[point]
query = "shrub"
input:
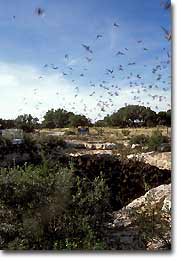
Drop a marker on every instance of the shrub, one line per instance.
(156, 139)
(49, 141)
(126, 132)
(50, 144)
(48, 207)
(126, 179)
(153, 142)
(153, 223)
(51, 209)
(5, 142)
(100, 131)
(139, 139)
(70, 132)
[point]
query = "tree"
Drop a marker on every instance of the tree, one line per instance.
(168, 116)
(61, 118)
(26, 122)
(56, 118)
(132, 116)
(7, 124)
(164, 118)
(79, 120)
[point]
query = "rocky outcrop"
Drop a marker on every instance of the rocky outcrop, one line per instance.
(145, 223)
(155, 198)
(76, 144)
(161, 160)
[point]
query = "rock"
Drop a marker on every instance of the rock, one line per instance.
(17, 141)
(99, 146)
(167, 204)
(155, 198)
(126, 143)
(164, 147)
(90, 153)
(90, 145)
(148, 217)
(131, 156)
(162, 160)
(110, 146)
(75, 145)
(56, 133)
(133, 146)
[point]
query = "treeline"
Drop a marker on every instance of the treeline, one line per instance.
(136, 116)
(129, 116)
(52, 119)
(26, 122)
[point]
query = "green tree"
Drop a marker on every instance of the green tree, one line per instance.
(56, 118)
(79, 120)
(132, 116)
(26, 122)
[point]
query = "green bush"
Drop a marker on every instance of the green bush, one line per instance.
(49, 208)
(139, 139)
(153, 142)
(100, 131)
(70, 132)
(50, 146)
(62, 205)
(156, 139)
(4, 142)
(126, 132)
(49, 142)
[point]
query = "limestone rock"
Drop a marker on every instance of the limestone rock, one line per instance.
(154, 197)
(162, 160)
(148, 217)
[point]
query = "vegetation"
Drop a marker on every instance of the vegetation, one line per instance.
(156, 140)
(49, 208)
(52, 207)
(136, 116)
(139, 139)
(64, 202)
(129, 116)
(153, 142)
(26, 122)
(153, 223)
(125, 132)
(52, 201)
(61, 118)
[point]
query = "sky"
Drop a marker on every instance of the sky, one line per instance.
(44, 65)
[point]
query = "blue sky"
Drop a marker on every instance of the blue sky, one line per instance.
(29, 41)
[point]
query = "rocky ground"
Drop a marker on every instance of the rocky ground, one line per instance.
(144, 223)
(161, 160)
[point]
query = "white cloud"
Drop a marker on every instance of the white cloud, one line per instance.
(22, 91)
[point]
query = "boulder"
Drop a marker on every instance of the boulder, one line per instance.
(154, 197)
(145, 223)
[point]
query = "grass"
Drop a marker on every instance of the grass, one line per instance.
(107, 134)
(122, 137)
